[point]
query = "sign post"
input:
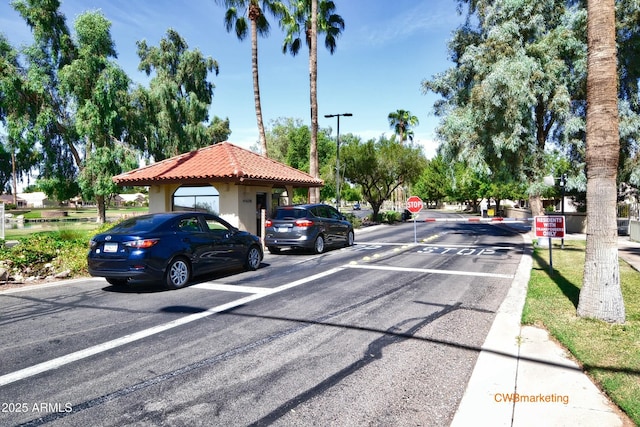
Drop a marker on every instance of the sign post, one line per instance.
(549, 226)
(414, 205)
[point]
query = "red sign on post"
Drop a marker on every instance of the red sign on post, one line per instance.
(549, 226)
(414, 204)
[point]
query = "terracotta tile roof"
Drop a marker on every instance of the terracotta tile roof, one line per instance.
(219, 162)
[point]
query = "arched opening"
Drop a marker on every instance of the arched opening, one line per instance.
(204, 198)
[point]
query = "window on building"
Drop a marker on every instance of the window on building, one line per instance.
(199, 198)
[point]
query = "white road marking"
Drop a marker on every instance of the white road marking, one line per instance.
(257, 293)
(435, 245)
(428, 270)
(109, 345)
(213, 286)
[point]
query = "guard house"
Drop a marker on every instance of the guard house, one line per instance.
(225, 179)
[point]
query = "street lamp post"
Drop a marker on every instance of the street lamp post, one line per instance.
(337, 116)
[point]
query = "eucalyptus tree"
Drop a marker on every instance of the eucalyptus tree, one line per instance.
(175, 107)
(306, 19)
(402, 122)
(514, 87)
(601, 295)
(99, 89)
(236, 16)
(380, 167)
(19, 156)
(628, 41)
(47, 123)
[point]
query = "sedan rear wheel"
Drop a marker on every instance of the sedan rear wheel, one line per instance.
(350, 238)
(254, 257)
(178, 273)
(318, 245)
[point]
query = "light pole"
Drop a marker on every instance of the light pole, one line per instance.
(337, 116)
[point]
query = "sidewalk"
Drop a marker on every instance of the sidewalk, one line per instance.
(523, 378)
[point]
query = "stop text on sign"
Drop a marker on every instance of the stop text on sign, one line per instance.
(414, 204)
(549, 226)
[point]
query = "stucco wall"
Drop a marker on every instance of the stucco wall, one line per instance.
(237, 202)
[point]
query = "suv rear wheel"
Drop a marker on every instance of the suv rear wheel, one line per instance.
(318, 244)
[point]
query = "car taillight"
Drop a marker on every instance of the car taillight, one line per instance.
(303, 223)
(141, 244)
(268, 223)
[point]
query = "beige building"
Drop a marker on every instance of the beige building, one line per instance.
(225, 179)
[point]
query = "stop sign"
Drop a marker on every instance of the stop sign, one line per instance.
(414, 204)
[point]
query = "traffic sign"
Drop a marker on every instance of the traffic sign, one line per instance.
(551, 226)
(414, 204)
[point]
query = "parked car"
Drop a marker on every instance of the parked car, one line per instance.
(356, 206)
(312, 226)
(171, 247)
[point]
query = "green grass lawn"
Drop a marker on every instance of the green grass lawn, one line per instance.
(83, 219)
(610, 354)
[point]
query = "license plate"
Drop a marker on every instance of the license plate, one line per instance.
(111, 247)
(283, 229)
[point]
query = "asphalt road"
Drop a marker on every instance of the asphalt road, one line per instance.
(383, 333)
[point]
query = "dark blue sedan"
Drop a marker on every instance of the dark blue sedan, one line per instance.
(171, 247)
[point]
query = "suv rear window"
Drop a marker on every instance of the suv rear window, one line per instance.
(290, 213)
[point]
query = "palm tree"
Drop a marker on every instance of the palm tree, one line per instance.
(308, 18)
(601, 295)
(401, 121)
(234, 20)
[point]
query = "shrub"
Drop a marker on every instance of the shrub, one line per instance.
(46, 253)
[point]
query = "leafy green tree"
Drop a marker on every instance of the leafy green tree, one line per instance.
(176, 106)
(288, 141)
(99, 90)
(307, 19)
(402, 122)
(18, 155)
(466, 185)
(5, 168)
(628, 46)
(45, 121)
(515, 86)
(379, 167)
(238, 11)
(601, 294)
(434, 183)
(59, 190)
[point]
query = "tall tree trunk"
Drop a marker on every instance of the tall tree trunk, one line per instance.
(535, 204)
(601, 295)
(14, 178)
(314, 193)
(102, 209)
(256, 85)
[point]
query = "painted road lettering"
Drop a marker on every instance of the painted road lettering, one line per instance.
(466, 251)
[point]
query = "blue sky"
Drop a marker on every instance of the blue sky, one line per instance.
(385, 51)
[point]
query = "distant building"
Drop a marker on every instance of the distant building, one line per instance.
(8, 199)
(136, 199)
(36, 199)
